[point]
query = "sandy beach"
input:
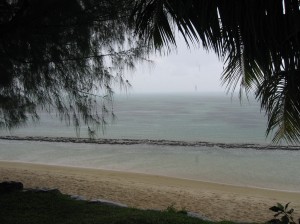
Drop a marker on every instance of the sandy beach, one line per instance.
(215, 201)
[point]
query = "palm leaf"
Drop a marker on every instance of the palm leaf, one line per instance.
(259, 42)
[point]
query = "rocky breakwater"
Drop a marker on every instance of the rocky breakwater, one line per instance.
(151, 142)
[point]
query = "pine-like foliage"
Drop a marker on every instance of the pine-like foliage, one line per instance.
(58, 55)
(258, 40)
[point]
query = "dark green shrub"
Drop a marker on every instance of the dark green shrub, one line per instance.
(283, 215)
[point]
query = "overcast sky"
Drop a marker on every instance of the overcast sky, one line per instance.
(188, 70)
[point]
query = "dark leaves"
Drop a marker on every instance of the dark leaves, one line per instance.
(275, 209)
(283, 215)
(259, 41)
(62, 56)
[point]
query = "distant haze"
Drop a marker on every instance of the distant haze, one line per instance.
(187, 70)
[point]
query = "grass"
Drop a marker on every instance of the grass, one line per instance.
(55, 208)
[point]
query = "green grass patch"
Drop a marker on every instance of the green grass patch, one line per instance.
(55, 208)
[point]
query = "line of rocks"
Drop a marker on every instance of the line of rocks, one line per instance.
(149, 142)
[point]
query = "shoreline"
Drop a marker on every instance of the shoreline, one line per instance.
(150, 174)
(161, 142)
(146, 191)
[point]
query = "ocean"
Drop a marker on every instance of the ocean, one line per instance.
(216, 119)
(186, 117)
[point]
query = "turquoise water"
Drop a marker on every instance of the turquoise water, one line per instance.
(257, 168)
(211, 118)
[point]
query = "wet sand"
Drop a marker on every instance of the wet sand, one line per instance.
(215, 201)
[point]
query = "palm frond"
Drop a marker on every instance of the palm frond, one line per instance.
(279, 95)
(254, 38)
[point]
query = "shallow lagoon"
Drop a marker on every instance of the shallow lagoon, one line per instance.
(210, 118)
(277, 169)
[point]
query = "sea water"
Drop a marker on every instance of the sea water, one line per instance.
(186, 117)
(211, 118)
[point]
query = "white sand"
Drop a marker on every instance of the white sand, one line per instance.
(215, 201)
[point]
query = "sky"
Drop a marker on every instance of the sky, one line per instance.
(184, 71)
